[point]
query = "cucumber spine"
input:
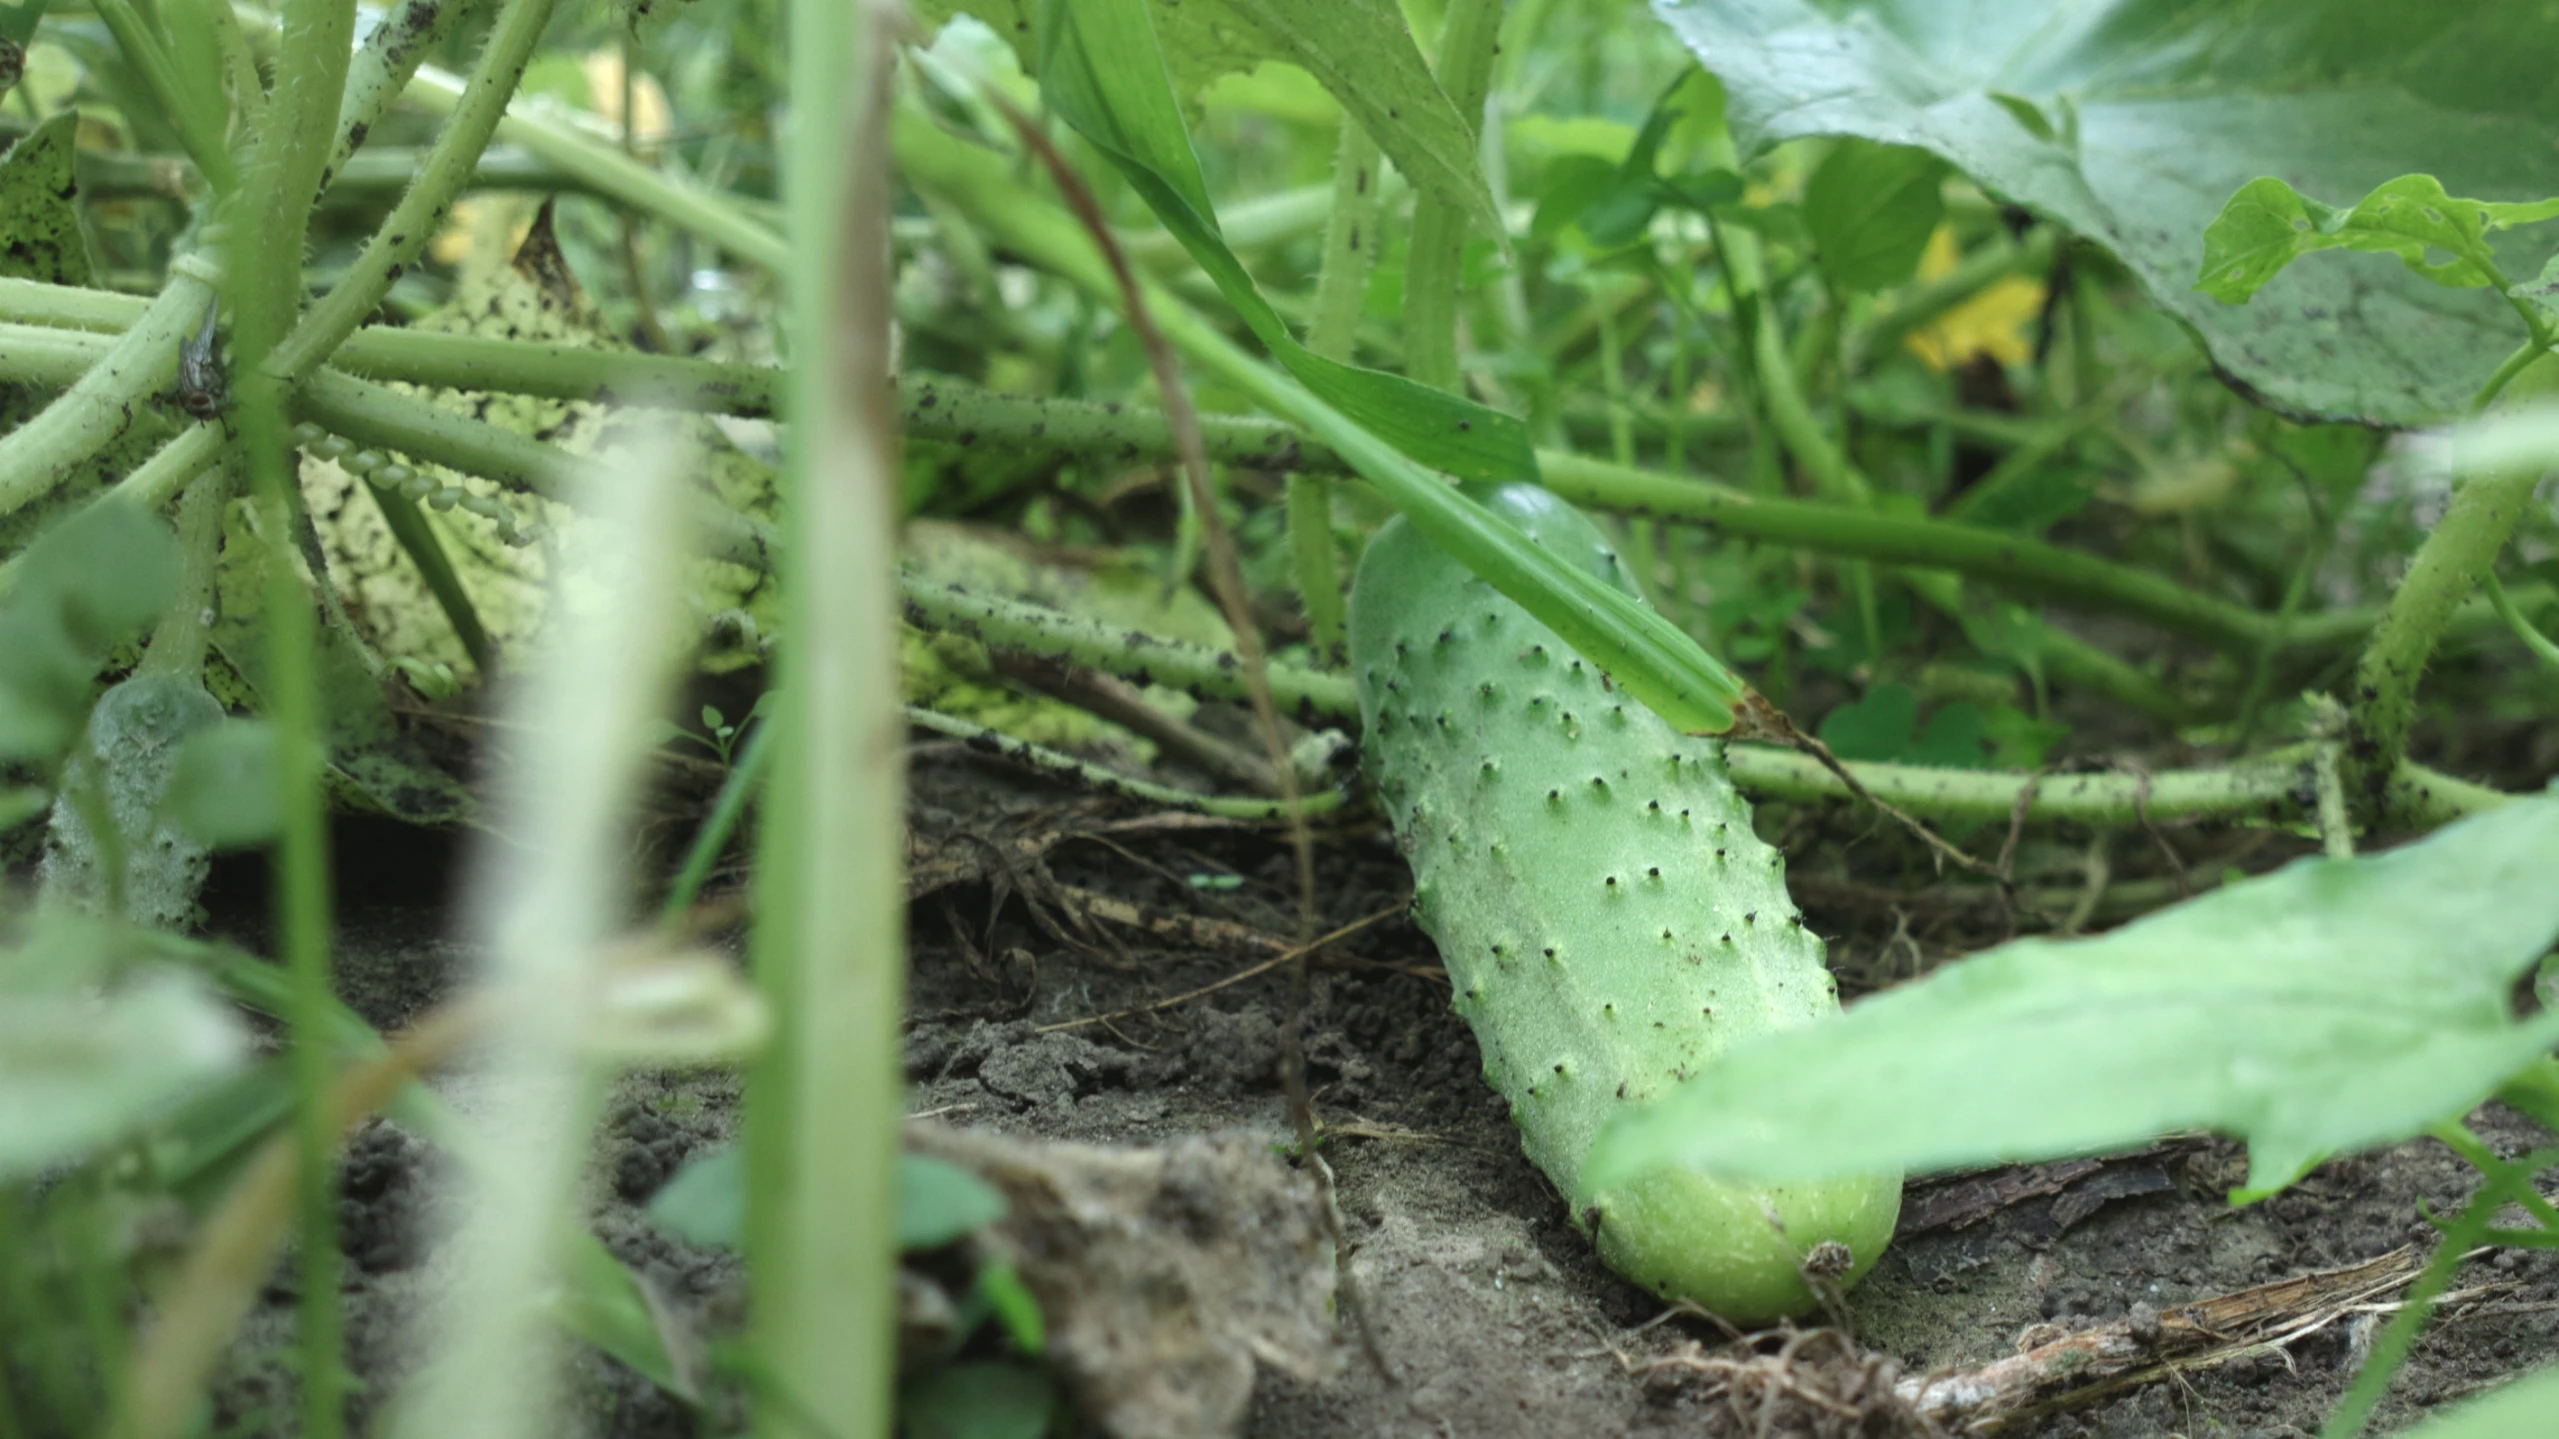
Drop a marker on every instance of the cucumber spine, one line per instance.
(1608, 918)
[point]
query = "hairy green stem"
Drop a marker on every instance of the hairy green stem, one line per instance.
(405, 232)
(201, 133)
(40, 454)
(1109, 781)
(269, 223)
(829, 948)
(2486, 507)
(1352, 235)
(427, 432)
(597, 163)
(177, 644)
(2533, 639)
(2269, 788)
(1026, 628)
(1434, 268)
(392, 51)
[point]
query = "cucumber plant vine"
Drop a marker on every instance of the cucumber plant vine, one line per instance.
(1861, 370)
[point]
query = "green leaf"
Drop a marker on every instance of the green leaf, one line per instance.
(83, 588)
(705, 1201)
(18, 21)
(1359, 50)
(1000, 1293)
(1876, 727)
(938, 1202)
(2542, 290)
(82, 1065)
(2178, 106)
(2329, 1006)
(1870, 209)
(224, 791)
(1102, 72)
(2519, 1410)
(2268, 225)
(977, 1401)
(1362, 51)
(40, 236)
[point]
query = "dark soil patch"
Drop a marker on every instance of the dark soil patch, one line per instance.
(1494, 1315)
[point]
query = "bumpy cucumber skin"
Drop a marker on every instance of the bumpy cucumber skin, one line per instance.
(1607, 917)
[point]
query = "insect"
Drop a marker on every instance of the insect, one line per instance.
(202, 384)
(1608, 919)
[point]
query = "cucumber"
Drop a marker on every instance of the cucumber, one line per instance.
(1607, 916)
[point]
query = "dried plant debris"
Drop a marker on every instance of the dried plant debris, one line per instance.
(1788, 1383)
(1166, 1276)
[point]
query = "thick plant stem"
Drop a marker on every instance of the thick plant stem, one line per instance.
(178, 643)
(823, 1100)
(1108, 781)
(39, 455)
(2269, 788)
(269, 226)
(1350, 248)
(2485, 509)
(398, 42)
(1026, 628)
(1434, 271)
(404, 234)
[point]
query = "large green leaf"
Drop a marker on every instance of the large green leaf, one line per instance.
(2331, 1005)
(2132, 121)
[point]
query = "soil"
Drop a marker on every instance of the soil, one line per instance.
(1492, 1313)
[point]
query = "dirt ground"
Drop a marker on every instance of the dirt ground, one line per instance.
(1035, 1013)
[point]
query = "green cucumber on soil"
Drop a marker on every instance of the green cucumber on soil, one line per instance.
(1608, 918)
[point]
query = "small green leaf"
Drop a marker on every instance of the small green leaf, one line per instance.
(2018, 740)
(2267, 225)
(938, 1202)
(705, 1202)
(1870, 209)
(1001, 1293)
(86, 1055)
(2521, 1409)
(83, 587)
(224, 791)
(1953, 739)
(1877, 727)
(977, 1401)
(2332, 1005)
(2026, 113)
(2542, 290)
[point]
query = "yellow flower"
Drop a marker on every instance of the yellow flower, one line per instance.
(1991, 323)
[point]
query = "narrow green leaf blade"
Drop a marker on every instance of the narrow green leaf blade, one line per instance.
(2331, 1005)
(1126, 109)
